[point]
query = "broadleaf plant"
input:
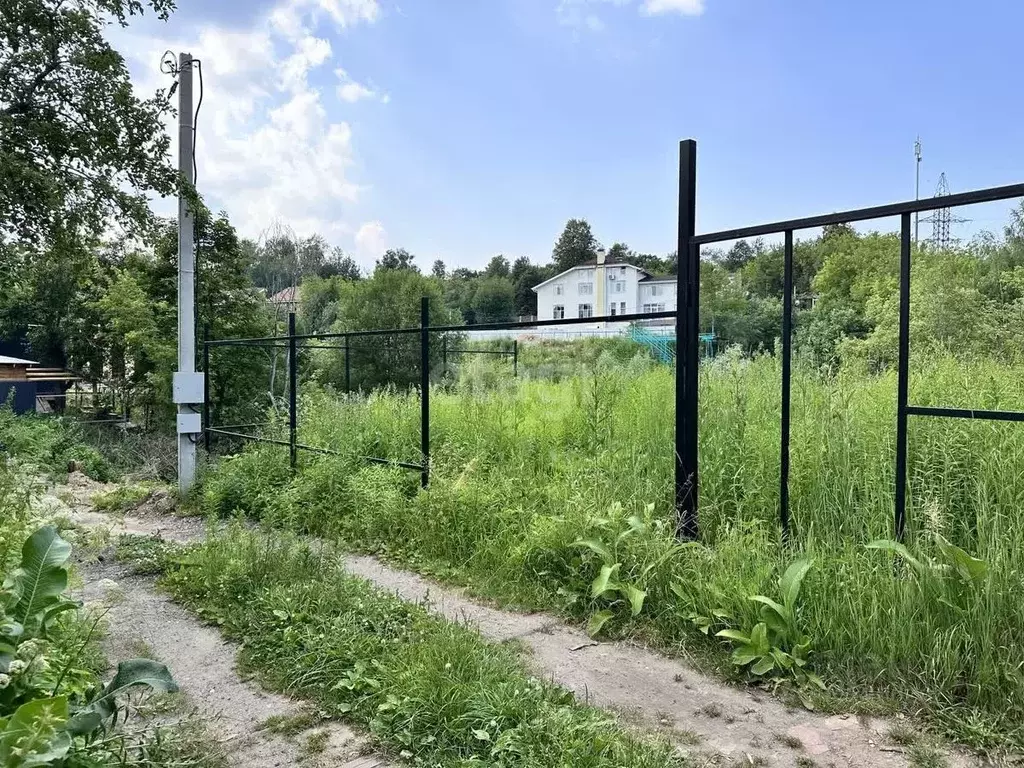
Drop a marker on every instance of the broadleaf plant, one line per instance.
(776, 649)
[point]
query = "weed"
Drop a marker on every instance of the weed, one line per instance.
(923, 755)
(520, 476)
(803, 761)
(902, 734)
(421, 685)
(791, 741)
(776, 648)
(315, 744)
(291, 725)
(121, 498)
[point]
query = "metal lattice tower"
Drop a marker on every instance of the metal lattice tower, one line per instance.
(942, 219)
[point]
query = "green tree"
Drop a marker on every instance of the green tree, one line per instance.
(340, 265)
(575, 245)
(388, 299)
(77, 146)
(498, 266)
(524, 277)
(397, 259)
(438, 270)
(494, 300)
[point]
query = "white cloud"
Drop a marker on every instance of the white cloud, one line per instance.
(352, 91)
(268, 148)
(371, 241)
(582, 14)
(685, 7)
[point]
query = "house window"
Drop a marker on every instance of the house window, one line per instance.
(620, 286)
(559, 313)
(586, 289)
(586, 310)
(622, 307)
(649, 308)
(559, 289)
(613, 309)
(654, 290)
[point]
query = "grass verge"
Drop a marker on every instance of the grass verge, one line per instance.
(433, 692)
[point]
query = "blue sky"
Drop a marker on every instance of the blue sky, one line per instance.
(473, 128)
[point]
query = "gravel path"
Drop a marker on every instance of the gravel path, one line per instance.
(718, 723)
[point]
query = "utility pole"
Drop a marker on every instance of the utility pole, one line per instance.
(917, 185)
(188, 385)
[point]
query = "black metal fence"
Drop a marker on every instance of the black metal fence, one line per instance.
(687, 360)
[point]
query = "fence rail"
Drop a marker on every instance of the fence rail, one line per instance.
(687, 358)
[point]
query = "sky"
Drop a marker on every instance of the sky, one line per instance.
(460, 129)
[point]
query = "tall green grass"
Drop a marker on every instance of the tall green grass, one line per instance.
(521, 470)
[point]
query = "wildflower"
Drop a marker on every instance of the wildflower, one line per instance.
(16, 667)
(5, 680)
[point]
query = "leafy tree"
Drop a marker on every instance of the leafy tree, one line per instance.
(459, 289)
(77, 146)
(226, 304)
(652, 264)
(340, 265)
(498, 266)
(396, 259)
(388, 299)
(620, 252)
(438, 270)
(741, 253)
(575, 245)
(524, 277)
(494, 300)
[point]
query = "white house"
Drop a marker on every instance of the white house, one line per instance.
(600, 287)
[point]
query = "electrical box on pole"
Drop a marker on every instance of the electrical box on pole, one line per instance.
(188, 388)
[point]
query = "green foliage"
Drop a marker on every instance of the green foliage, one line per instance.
(49, 444)
(59, 74)
(52, 709)
(494, 300)
(525, 469)
(612, 590)
(122, 497)
(575, 245)
(776, 648)
(430, 690)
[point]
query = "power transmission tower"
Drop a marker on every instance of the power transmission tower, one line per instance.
(942, 219)
(917, 186)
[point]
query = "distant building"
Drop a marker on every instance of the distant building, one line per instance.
(600, 287)
(287, 299)
(30, 388)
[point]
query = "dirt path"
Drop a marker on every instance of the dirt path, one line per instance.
(142, 621)
(718, 723)
(734, 724)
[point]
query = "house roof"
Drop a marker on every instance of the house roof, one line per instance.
(289, 295)
(589, 265)
(658, 279)
(5, 360)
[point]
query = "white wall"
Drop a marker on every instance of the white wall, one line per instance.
(632, 292)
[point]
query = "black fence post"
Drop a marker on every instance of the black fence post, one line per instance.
(425, 390)
(515, 358)
(902, 385)
(787, 359)
(206, 388)
(687, 351)
(293, 415)
(444, 353)
(348, 367)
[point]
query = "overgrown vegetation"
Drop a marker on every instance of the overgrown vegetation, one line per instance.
(54, 711)
(560, 496)
(430, 691)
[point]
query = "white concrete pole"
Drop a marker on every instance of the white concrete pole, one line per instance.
(186, 281)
